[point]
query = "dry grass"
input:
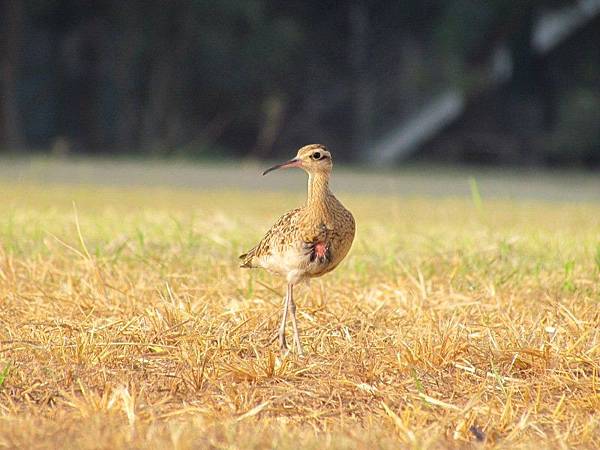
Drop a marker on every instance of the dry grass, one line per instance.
(449, 324)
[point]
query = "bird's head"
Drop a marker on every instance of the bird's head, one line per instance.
(313, 158)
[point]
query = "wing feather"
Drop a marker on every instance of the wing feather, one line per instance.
(283, 232)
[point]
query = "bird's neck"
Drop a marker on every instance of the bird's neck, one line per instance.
(318, 188)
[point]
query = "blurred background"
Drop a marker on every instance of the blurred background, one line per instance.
(498, 82)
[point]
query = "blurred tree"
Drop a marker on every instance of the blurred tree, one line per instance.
(10, 65)
(196, 76)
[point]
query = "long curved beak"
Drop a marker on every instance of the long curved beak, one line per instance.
(286, 165)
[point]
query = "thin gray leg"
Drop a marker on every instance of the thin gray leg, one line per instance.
(282, 345)
(290, 295)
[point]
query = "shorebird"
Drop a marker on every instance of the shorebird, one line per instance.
(306, 242)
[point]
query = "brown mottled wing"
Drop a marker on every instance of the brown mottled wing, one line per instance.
(341, 237)
(316, 233)
(338, 240)
(283, 230)
(333, 230)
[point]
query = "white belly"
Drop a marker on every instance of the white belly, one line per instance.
(291, 263)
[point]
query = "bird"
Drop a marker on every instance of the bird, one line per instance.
(308, 241)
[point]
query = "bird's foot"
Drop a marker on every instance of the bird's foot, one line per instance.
(285, 351)
(298, 345)
(283, 346)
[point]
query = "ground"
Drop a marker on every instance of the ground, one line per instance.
(465, 320)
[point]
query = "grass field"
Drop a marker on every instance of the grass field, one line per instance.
(125, 322)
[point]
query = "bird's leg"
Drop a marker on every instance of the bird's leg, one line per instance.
(294, 324)
(282, 345)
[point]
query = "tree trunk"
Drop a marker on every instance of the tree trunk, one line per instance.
(362, 89)
(126, 65)
(526, 107)
(11, 124)
(273, 115)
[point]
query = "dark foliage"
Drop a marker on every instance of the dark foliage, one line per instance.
(259, 77)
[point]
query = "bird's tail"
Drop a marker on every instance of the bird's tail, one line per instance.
(246, 260)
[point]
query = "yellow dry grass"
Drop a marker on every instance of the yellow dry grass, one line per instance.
(125, 322)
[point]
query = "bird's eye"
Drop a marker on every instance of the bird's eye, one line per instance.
(316, 155)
